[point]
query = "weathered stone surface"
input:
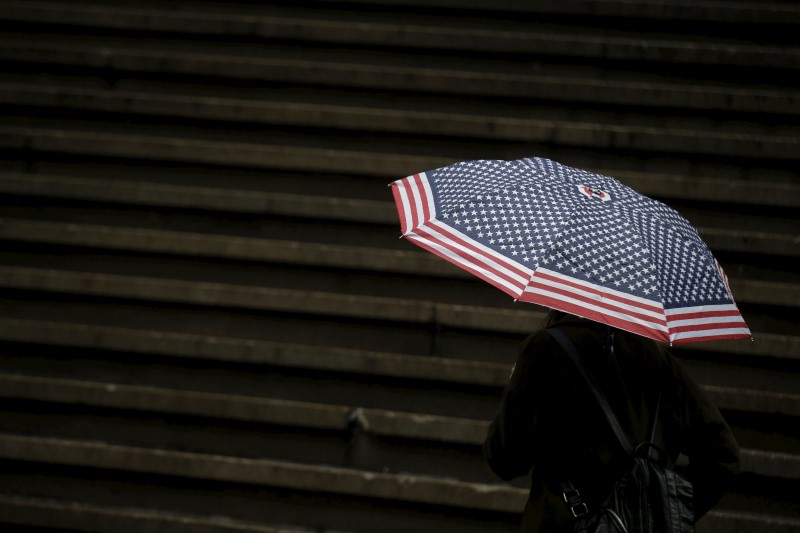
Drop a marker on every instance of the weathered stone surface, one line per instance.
(87, 517)
(409, 488)
(551, 83)
(106, 101)
(544, 125)
(342, 27)
(314, 302)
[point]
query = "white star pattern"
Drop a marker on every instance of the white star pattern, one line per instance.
(460, 183)
(532, 212)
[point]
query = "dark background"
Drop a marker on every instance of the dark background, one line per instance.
(207, 320)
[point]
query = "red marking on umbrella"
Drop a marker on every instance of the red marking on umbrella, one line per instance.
(474, 269)
(616, 322)
(398, 200)
(592, 193)
(423, 197)
(603, 294)
(470, 257)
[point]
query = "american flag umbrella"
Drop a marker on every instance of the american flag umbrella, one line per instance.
(575, 241)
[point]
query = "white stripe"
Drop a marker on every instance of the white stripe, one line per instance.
(612, 292)
(599, 309)
(463, 262)
(710, 320)
(437, 228)
(700, 309)
(723, 332)
(401, 187)
(429, 194)
(417, 199)
(599, 298)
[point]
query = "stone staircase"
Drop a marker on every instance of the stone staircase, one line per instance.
(207, 321)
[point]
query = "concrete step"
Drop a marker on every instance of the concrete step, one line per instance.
(312, 329)
(79, 516)
(394, 71)
(743, 521)
(415, 489)
(727, 12)
(472, 500)
(324, 256)
(362, 28)
(246, 193)
(203, 151)
(292, 153)
(265, 298)
(715, 365)
(349, 306)
(201, 383)
(265, 410)
(531, 124)
(246, 258)
(764, 234)
(261, 410)
(150, 361)
(247, 239)
(40, 512)
(243, 504)
(262, 352)
(442, 370)
(268, 501)
(384, 154)
(287, 383)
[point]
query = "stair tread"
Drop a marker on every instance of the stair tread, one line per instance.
(351, 27)
(775, 389)
(205, 305)
(536, 124)
(325, 416)
(396, 72)
(69, 512)
(178, 245)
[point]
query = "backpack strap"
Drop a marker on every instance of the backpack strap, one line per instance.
(569, 348)
(569, 493)
(651, 443)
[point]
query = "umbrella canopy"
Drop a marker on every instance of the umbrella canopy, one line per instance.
(575, 241)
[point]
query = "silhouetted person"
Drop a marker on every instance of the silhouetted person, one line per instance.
(549, 421)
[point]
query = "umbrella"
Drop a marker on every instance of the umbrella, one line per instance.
(575, 241)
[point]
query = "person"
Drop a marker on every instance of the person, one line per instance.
(549, 422)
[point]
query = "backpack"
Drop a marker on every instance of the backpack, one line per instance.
(648, 497)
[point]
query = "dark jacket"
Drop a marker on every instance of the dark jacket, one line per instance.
(549, 421)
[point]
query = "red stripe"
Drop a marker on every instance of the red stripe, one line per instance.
(424, 246)
(704, 314)
(426, 210)
(588, 300)
(713, 338)
(469, 258)
(596, 316)
(398, 202)
(466, 242)
(415, 216)
(593, 290)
